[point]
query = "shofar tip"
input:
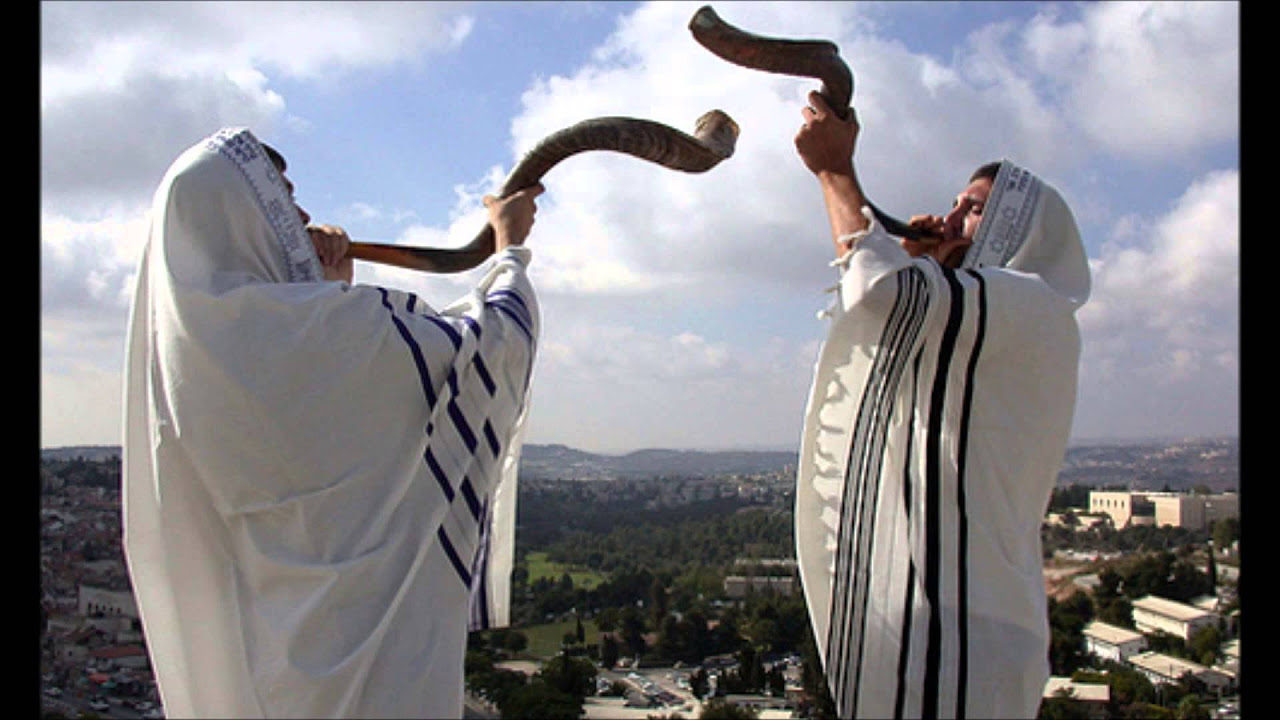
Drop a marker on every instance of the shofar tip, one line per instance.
(718, 132)
(704, 17)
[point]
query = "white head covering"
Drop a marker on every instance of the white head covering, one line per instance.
(936, 425)
(319, 479)
(1028, 227)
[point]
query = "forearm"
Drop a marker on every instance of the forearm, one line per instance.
(844, 200)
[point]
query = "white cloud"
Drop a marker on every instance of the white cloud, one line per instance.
(612, 386)
(125, 87)
(1161, 331)
(1151, 80)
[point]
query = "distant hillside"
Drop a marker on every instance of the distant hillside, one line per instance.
(1146, 465)
(92, 453)
(561, 462)
(1155, 464)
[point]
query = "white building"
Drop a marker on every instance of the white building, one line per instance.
(1196, 512)
(1156, 614)
(1094, 696)
(1111, 642)
(107, 602)
(1166, 669)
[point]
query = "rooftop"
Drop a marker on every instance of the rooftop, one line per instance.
(1090, 692)
(1166, 665)
(1112, 634)
(1170, 608)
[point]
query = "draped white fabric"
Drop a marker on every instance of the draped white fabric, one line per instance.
(319, 478)
(936, 425)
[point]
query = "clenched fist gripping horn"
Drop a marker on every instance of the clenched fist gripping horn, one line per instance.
(818, 59)
(712, 141)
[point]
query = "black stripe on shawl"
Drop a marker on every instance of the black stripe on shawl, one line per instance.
(866, 443)
(838, 627)
(908, 603)
(962, 545)
(933, 499)
(874, 449)
(933, 507)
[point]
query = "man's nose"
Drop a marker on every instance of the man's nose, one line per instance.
(953, 222)
(306, 217)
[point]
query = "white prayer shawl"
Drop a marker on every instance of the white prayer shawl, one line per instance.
(936, 425)
(319, 479)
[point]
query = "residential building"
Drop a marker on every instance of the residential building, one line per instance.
(1093, 696)
(1167, 670)
(1157, 614)
(1111, 642)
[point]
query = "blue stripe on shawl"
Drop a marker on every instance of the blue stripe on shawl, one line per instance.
(423, 374)
(463, 573)
(485, 377)
(469, 495)
(462, 426)
(492, 438)
(430, 457)
(448, 330)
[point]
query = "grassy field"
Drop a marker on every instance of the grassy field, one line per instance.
(545, 640)
(540, 566)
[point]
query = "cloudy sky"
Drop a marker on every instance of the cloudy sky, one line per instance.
(679, 310)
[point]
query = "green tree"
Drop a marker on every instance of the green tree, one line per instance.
(1066, 626)
(631, 624)
(540, 701)
(607, 619)
(699, 683)
(1203, 646)
(570, 675)
(1129, 687)
(1225, 532)
(1191, 708)
(608, 651)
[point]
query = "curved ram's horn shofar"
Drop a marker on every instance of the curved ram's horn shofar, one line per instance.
(712, 141)
(806, 58)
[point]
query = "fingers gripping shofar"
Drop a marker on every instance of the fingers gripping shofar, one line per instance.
(712, 141)
(818, 59)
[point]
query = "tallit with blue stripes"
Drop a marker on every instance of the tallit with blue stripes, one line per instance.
(936, 425)
(319, 478)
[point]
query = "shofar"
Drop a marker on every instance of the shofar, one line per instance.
(818, 59)
(712, 141)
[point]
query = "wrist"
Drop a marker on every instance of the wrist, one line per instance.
(837, 175)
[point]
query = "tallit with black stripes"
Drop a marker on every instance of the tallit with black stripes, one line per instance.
(936, 425)
(319, 478)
